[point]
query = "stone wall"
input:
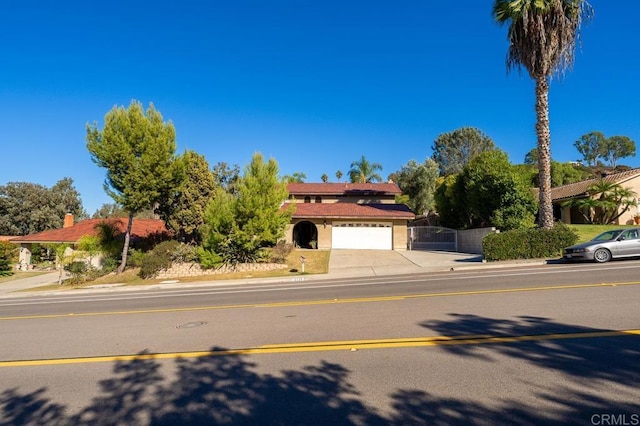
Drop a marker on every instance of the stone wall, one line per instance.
(179, 270)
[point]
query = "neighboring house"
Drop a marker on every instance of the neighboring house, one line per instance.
(71, 233)
(629, 179)
(347, 216)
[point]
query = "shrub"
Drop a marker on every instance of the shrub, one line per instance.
(157, 259)
(532, 243)
(280, 251)
(185, 253)
(8, 256)
(135, 258)
(208, 259)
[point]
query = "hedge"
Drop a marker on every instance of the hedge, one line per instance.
(531, 243)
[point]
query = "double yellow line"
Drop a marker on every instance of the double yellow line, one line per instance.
(346, 345)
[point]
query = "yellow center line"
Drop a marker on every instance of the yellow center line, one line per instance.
(323, 301)
(346, 345)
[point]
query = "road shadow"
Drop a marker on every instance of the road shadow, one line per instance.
(228, 389)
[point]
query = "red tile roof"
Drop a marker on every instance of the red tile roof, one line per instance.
(343, 189)
(580, 188)
(141, 228)
(352, 211)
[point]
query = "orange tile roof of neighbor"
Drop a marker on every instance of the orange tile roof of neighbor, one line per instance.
(352, 211)
(345, 188)
(141, 228)
(580, 188)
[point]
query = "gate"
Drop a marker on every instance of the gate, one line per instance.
(432, 238)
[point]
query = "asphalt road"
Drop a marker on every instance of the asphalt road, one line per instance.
(530, 345)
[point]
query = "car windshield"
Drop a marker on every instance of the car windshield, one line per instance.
(607, 236)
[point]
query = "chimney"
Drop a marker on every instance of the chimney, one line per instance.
(68, 220)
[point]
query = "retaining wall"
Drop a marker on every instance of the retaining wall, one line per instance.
(178, 270)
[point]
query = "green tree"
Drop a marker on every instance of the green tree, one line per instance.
(453, 150)
(226, 177)
(296, 177)
(183, 210)
(137, 149)
(28, 208)
(488, 192)
(363, 171)
(531, 158)
(109, 210)
(8, 255)
(237, 226)
(566, 173)
(617, 147)
(324, 178)
(590, 146)
(418, 182)
(542, 37)
(338, 175)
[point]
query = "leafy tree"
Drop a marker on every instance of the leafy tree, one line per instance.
(418, 182)
(604, 203)
(542, 38)
(488, 192)
(137, 149)
(324, 178)
(183, 210)
(297, 177)
(617, 147)
(453, 150)
(531, 158)
(566, 173)
(363, 171)
(226, 177)
(8, 255)
(338, 175)
(109, 210)
(237, 226)
(27, 208)
(590, 146)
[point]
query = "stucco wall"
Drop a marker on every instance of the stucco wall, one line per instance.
(400, 235)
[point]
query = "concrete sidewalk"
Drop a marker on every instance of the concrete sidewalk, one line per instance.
(342, 264)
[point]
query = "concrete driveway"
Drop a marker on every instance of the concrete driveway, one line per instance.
(383, 262)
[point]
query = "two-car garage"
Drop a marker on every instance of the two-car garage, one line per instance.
(362, 235)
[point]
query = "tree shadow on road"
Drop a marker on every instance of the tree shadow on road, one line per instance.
(614, 358)
(229, 389)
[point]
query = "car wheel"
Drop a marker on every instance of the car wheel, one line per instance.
(602, 255)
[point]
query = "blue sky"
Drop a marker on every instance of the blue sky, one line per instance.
(315, 85)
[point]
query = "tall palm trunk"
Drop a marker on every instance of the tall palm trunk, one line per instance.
(125, 249)
(545, 213)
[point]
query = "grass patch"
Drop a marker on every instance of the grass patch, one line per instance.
(22, 274)
(588, 232)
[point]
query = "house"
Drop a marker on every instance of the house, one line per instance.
(347, 216)
(629, 179)
(71, 233)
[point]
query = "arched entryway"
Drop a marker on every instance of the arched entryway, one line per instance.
(305, 235)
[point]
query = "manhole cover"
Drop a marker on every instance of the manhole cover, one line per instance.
(192, 324)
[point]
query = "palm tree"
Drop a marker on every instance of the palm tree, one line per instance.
(605, 202)
(542, 39)
(324, 178)
(363, 171)
(339, 175)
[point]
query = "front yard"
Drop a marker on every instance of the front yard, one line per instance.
(316, 262)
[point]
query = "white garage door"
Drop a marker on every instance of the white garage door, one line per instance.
(353, 235)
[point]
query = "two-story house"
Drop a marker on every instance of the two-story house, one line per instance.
(347, 216)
